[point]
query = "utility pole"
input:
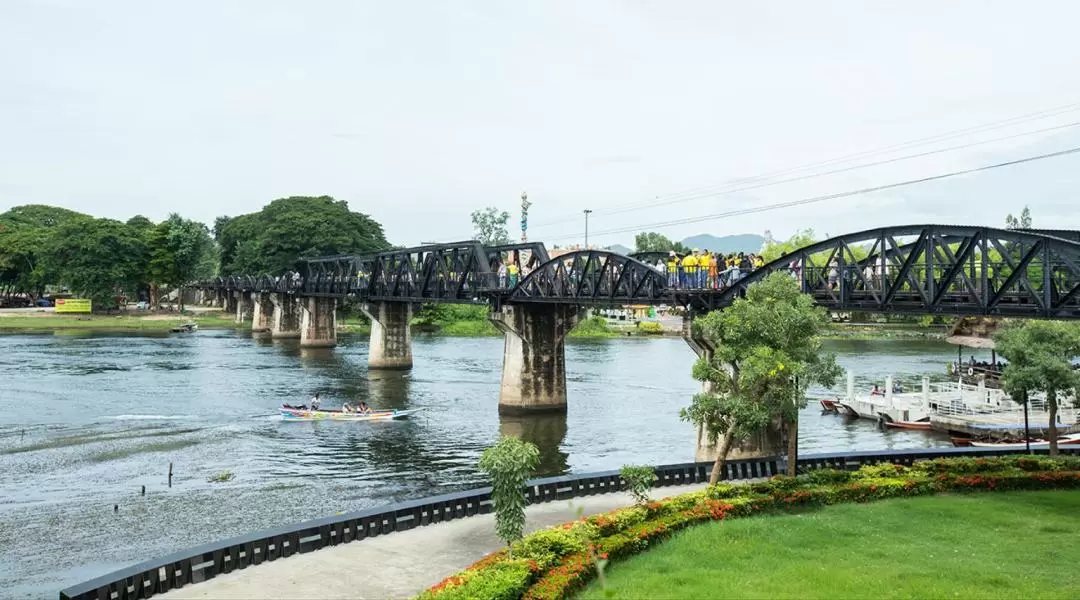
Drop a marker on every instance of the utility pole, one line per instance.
(587, 211)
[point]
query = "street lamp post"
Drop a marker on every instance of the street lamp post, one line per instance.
(587, 211)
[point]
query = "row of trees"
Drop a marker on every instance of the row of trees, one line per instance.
(43, 247)
(99, 259)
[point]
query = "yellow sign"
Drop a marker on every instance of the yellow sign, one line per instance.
(72, 305)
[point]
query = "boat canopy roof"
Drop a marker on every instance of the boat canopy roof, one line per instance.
(971, 341)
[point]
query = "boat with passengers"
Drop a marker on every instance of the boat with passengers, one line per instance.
(304, 413)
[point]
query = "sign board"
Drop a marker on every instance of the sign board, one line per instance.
(73, 305)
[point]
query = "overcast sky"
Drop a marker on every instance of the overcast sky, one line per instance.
(418, 113)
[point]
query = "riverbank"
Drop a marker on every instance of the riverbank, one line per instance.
(37, 322)
(595, 327)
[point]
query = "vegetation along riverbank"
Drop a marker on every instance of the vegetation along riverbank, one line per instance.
(442, 320)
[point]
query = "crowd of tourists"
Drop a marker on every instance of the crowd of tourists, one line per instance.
(701, 269)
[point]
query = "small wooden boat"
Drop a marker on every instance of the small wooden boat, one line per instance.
(829, 404)
(185, 328)
(922, 425)
(961, 442)
(1065, 440)
(293, 413)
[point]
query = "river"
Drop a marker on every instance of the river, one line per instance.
(88, 419)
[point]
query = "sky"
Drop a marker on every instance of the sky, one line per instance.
(418, 113)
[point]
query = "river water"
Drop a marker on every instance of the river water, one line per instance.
(90, 418)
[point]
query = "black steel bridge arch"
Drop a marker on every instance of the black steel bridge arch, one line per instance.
(919, 269)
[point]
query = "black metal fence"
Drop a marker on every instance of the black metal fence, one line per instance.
(198, 564)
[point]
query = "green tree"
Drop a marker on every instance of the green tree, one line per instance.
(650, 241)
(768, 351)
(1024, 222)
(26, 233)
(97, 259)
(509, 463)
(273, 240)
(1039, 355)
(489, 226)
(180, 251)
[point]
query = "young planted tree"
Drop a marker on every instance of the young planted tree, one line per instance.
(509, 463)
(768, 351)
(1039, 355)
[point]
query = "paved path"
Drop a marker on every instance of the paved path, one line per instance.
(397, 565)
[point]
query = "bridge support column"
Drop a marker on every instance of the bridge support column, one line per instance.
(262, 315)
(534, 356)
(229, 302)
(391, 337)
(244, 306)
(285, 322)
(318, 323)
(767, 442)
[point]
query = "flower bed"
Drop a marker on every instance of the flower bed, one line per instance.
(552, 563)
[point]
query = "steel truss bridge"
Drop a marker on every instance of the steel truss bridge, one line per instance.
(921, 269)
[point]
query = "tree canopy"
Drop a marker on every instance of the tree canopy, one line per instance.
(1039, 355)
(489, 226)
(96, 258)
(1023, 222)
(181, 251)
(650, 241)
(767, 351)
(273, 240)
(25, 235)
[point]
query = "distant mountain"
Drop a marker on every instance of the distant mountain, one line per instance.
(619, 249)
(746, 242)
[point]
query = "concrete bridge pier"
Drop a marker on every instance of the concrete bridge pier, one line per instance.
(285, 321)
(767, 442)
(318, 323)
(534, 356)
(391, 336)
(262, 316)
(244, 306)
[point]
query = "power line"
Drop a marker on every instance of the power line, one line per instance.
(816, 199)
(852, 167)
(1042, 114)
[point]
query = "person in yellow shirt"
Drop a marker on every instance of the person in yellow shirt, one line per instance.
(672, 269)
(689, 269)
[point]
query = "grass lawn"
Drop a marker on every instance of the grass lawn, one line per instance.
(989, 545)
(110, 322)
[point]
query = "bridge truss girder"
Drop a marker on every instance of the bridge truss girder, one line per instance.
(945, 270)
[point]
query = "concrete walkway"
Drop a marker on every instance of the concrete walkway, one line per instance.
(397, 565)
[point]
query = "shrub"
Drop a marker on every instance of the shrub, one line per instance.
(639, 480)
(650, 327)
(829, 476)
(879, 471)
(509, 463)
(549, 545)
(722, 490)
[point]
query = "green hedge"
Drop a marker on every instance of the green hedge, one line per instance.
(553, 563)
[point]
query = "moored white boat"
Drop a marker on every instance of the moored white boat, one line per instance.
(303, 414)
(1065, 440)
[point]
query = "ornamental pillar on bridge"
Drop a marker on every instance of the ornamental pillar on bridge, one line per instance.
(767, 442)
(285, 321)
(244, 306)
(318, 322)
(391, 336)
(262, 316)
(534, 356)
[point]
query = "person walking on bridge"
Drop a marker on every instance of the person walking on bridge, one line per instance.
(672, 269)
(689, 269)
